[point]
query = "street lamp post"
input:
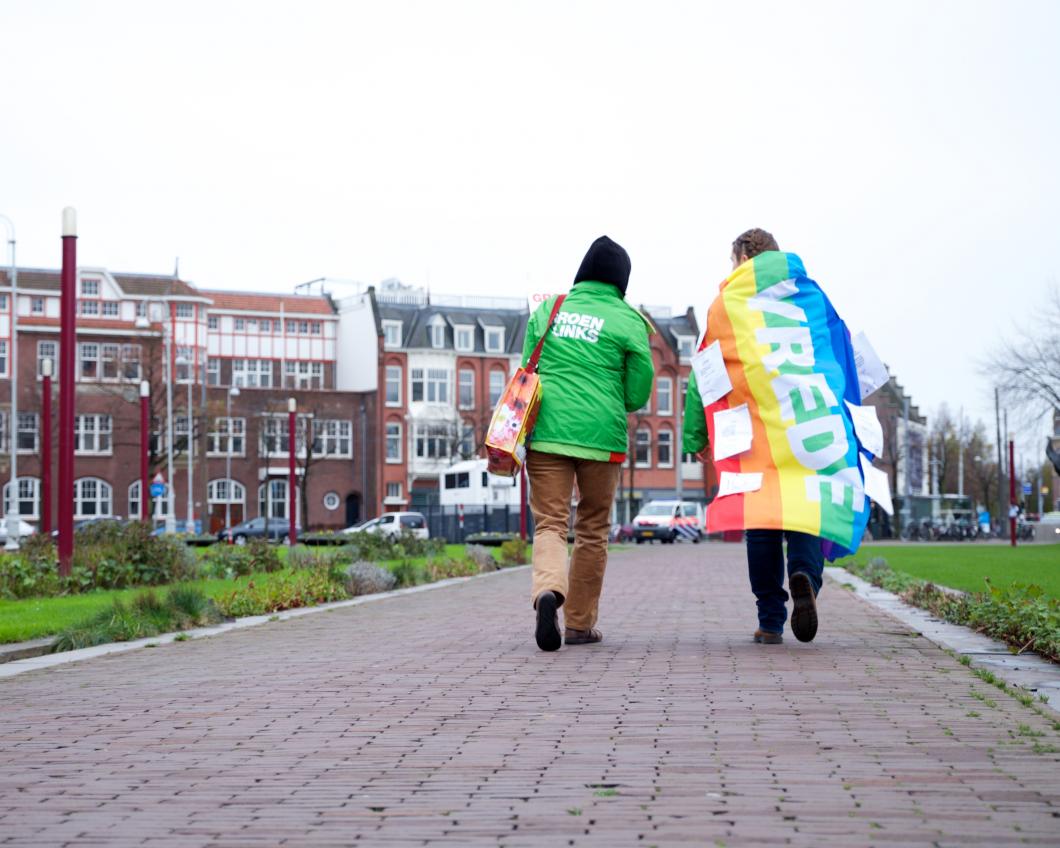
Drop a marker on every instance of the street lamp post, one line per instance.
(145, 441)
(46, 447)
(11, 507)
(143, 323)
(67, 370)
(189, 516)
(292, 532)
(232, 392)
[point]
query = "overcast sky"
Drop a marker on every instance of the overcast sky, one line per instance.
(906, 150)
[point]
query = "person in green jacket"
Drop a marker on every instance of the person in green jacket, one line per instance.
(595, 367)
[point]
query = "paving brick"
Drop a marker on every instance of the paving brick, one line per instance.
(431, 719)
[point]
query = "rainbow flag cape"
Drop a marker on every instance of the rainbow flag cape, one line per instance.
(776, 373)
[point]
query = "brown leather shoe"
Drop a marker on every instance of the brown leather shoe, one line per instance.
(581, 637)
(765, 637)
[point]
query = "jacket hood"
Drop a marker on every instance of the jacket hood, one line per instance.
(605, 262)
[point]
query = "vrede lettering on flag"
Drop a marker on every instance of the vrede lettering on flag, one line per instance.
(790, 359)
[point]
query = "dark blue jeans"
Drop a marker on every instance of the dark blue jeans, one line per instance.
(765, 565)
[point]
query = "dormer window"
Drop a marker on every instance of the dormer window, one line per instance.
(464, 336)
(392, 334)
(685, 345)
(494, 339)
(89, 288)
(436, 331)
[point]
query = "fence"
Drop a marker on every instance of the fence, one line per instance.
(444, 522)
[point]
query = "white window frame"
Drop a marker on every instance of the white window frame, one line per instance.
(99, 435)
(436, 332)
(28, 493)
(53, 356)
(224, 433)
(89, 287)
(494, 339)
(225, 490)
(498, 380)
(393, 436)
(3, 358)
(462, 402)
(638, 444)
(104, 496)
(394, 379)
(686, 346)
(36, 306)
(664, 438)
(28, 423)
(184, 311)
(109, 359)
(87, 352)
(464, 337)
(394, 491)
(252, 373)
(428, 434)
(392, 332)
(273, 496)
(333, 438)
(668, 409)
(213, 371)
(131, 368)
(110, 308)
(212, 322)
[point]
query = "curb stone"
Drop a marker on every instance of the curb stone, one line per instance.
(46, 660)
(1028, 670)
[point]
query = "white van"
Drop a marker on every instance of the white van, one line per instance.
(669, 521)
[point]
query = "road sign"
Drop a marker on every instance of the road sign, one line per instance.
(158, 489)
(1026, 488)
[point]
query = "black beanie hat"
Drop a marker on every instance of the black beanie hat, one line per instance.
(605, 262)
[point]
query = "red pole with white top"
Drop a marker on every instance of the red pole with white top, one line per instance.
(1012, 491)
(292, 533)
(145, 437)
(67, 372)
(46, 448)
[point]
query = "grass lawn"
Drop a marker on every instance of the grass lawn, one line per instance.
(32, 618)
(964, 566)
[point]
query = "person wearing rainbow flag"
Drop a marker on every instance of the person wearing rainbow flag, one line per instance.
(775, 392)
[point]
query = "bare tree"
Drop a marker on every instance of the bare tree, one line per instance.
(1026, 364)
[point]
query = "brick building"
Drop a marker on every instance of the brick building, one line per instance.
(236, 358)
(394, 387)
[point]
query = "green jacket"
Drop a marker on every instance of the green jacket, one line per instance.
(694, 428)
(595, 367)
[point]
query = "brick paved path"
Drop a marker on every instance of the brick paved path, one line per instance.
(432, 718)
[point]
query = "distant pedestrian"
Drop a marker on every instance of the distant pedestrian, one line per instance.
(595, 367)
(780, 403)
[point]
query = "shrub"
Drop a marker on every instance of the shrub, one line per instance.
(146, 615)
(264, 558)
(286, 590)
(514, 552)
(365, 578)
(407, 574)
(314, 558)
(443, 569)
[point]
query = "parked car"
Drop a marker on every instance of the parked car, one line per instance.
(24, 529)
(100, 520)
(254, 528)
(393, 524)
(669, 521)
(1048, 529)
